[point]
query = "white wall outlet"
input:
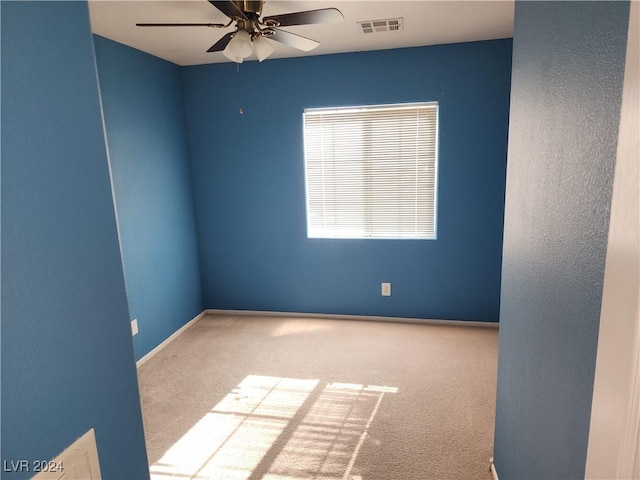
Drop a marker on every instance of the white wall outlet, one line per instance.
(134, 327)
(385, 290)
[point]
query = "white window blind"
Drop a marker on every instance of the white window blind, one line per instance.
(371, 171)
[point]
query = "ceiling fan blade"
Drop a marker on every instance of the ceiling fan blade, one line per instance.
(228, 8)
(324, 15)
(214, 25)
(222, 43)
(293, 40)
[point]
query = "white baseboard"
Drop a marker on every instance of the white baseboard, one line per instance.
(494, 472)
(172, 337)
(331, 316)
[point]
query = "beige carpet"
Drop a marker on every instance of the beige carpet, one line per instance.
(295, 398)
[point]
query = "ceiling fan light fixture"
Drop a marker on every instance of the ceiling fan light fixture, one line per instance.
(262, 47)
(239, 47)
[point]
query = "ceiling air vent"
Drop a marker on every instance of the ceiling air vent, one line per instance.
(383, 25)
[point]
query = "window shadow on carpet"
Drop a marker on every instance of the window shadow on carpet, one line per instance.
(275, 428)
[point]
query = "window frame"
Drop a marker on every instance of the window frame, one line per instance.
(436, 158)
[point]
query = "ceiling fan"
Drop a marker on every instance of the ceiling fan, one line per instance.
(252, 30)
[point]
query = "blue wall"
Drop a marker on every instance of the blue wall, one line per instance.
(249, 184)
(146, 135)
(67, 356)
(568, 63)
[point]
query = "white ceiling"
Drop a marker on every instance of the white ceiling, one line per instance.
(425, 23)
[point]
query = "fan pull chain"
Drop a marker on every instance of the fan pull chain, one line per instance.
(240, 109)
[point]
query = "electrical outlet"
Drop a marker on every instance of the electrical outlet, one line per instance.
(385, 289)
(134, 327)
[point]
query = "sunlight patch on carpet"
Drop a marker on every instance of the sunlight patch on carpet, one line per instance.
(276, 429)
(298, 326)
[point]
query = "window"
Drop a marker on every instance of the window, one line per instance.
(371, 171)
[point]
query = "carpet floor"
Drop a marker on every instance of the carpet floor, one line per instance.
(276, 398)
